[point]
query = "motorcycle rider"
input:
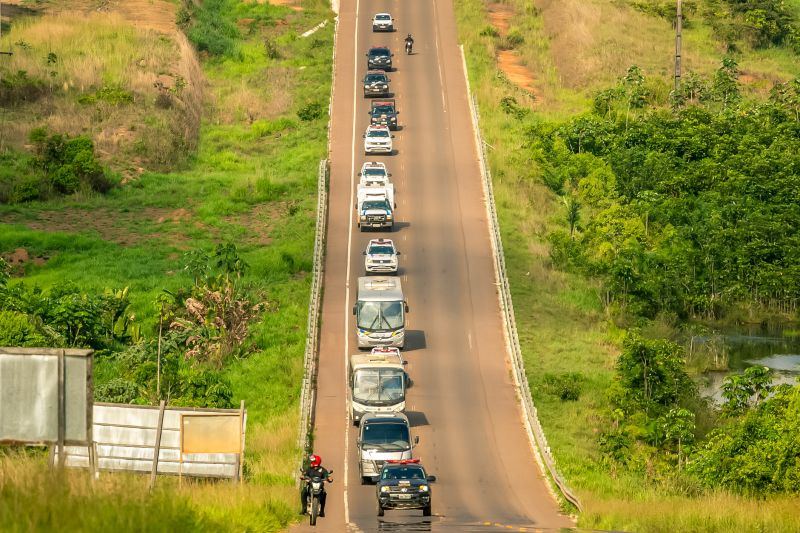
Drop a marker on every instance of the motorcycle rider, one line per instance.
(315, 469)
(409, 42)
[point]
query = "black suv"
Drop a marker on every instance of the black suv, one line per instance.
(376, 83)
(379, 58)
(384, 113)
(404, 485)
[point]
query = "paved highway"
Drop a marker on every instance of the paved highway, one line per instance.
(462, 404)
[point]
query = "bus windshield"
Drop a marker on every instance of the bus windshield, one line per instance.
(380, 316)
(378, 386)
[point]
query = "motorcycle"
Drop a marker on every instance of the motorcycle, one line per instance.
(315, 486)
(409, 44)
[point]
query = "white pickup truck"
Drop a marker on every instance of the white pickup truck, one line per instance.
(375, 206)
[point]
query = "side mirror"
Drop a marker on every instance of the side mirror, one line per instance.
(364, 136)
(359, 173)
(354, 309)
(364, 253)
(375, 479)
(389, 175)
(431, 479)
(398, 253)
(416, 439)
(405, 308)
(392, 136)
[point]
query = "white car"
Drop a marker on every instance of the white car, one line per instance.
(381, 256)
(378, 140)
(382, 22)
(374, 171)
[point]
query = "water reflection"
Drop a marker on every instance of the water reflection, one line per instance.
(755, 345)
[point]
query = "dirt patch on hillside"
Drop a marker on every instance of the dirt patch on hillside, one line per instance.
(156, 15)
(19, 258)
(515, 71)
(500, 16)
(508, 61)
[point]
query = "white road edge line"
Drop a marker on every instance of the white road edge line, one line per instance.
(347, 279)
(438, 55)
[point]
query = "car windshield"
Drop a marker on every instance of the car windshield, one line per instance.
(380, 316)
(374, 172)
(379, 52)
(383, 109)
(403, 472)
(383, 16)
(380, 249)
(372, 78)
(382, 134)
(376, 204)
(375, 386)
(386, 437)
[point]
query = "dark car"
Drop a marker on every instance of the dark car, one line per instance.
(376, 83)
(384, 113)
(379, 58)
(404, 485)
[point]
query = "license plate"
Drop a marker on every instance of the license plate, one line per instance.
(404, 496)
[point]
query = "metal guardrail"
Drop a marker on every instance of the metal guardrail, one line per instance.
(308, 392)
(533, 425)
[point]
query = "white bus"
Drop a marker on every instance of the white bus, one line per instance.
(380, 312)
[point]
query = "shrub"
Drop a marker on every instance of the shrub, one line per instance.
(69, 163)
(118, 390)
(514, 38)
(16, 329)
(566, 386)
(310, 112)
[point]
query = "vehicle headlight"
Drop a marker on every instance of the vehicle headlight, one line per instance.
(423, 488)
(384, 489)
(389, 216)
(363, 217)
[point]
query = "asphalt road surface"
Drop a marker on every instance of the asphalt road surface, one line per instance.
(462, 403)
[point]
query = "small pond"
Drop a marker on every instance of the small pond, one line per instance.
(772, 347)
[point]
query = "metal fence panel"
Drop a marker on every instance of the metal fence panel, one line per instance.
(125, 436)
(29, 393)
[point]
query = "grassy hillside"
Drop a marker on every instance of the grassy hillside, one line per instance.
(561, 54)
(232, 159)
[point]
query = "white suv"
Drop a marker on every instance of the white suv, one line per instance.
(382, 22)
(374, 171)
(378, 140)
(381, 256)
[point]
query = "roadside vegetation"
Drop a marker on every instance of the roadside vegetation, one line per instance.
(207, 122)
(633, 218)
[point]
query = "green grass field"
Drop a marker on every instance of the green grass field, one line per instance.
(571, 50)
(251, 181)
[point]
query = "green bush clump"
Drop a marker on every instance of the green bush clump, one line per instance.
(566, 386)
(111, 94)
(310, 112)
(16, 329)
(209, 27)
(69, 164)
(18, 87)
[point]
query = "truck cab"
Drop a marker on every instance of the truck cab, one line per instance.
(382, 437)
(378, 382)
(375, 206)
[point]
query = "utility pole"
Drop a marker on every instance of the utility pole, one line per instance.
(678, 30)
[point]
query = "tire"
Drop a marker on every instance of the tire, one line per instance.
(380, 509)
(426, 511)
(314, 511)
